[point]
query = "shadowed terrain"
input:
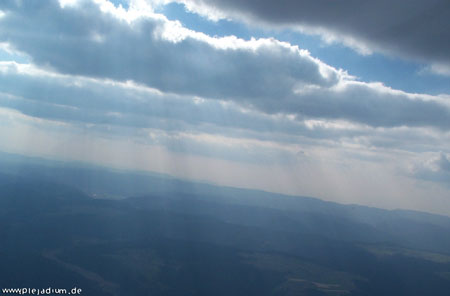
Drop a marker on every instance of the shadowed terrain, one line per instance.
(172, 237)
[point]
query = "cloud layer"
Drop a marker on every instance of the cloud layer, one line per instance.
(273, 77)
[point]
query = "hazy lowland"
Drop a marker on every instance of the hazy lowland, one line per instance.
(114, 232)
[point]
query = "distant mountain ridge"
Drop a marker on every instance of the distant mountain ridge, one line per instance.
(421, 230)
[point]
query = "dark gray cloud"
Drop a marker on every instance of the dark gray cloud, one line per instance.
(407, 28)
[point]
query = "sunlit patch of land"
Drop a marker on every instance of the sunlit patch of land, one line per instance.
(381, 250)
(301, 276)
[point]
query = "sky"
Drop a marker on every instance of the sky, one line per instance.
(300, 97)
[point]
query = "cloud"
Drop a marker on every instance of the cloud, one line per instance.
(440, 69)
(104, 42)
(104, 104)
(413, 29)
(436, 168)
(84, 40)
(444, 163)
(181, 124)
(83, 100)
